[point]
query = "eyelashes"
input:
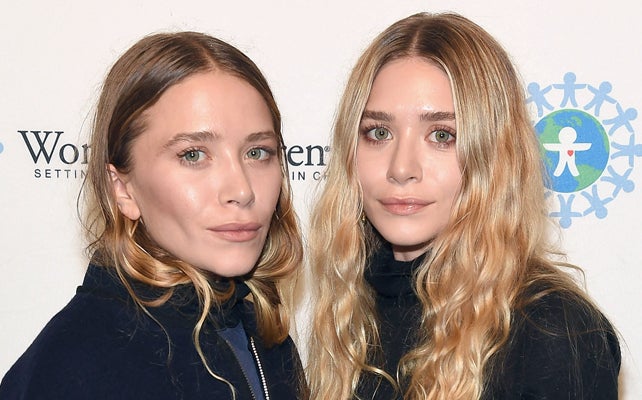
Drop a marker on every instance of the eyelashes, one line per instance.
(192, 156)
(261, 153)
(442, 137)
(375, 133)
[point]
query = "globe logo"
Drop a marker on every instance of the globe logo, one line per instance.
(575, 147)
(588, 146)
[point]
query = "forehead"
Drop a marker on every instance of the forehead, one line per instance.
(214, 101)
(411, 81)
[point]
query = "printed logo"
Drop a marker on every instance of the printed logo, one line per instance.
(306, 162)
(1, 147)
(53, 157)
(588, 145)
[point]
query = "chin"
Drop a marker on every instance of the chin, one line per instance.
(226, 266)
(230, 271)
(407, 237)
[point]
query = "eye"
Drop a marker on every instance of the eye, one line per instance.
(378, 133)
(259, 153)
(192, 156)
(441, 136)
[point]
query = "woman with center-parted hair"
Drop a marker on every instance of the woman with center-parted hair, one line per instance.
(193, 235)
(429, 244)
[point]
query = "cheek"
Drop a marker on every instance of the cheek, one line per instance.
(368, 174)
(267, 189)
(160, 199)
(451, 195)
(448, 177)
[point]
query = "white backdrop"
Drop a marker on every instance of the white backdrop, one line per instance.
(54, 55)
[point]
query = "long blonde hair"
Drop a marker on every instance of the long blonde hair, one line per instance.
(134, 83)
(479, 267)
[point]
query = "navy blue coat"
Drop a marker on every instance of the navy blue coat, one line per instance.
(101, 346)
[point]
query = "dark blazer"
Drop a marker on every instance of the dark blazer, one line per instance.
(102, 346)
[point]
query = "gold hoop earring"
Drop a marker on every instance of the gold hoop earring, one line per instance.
(132, 228)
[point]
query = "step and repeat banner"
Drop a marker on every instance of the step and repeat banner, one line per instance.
(580, 61)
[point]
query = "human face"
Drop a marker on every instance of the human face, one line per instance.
(206, 175)
(406, 159)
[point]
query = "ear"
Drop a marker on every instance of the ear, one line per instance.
(124, 198)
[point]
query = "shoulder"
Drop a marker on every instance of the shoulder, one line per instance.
(71, 351)
(561, 345)
(565, 318)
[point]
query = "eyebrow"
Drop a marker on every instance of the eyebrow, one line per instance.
(430, 116)
(263, 135)
(200, 136)
(207, 136)
(378, 115)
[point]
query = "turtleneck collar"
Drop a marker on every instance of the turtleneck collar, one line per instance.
(390, 277)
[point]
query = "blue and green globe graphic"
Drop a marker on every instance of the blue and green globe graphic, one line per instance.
(583, 159)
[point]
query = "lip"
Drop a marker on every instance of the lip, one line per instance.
(403, 206)
(237, 231)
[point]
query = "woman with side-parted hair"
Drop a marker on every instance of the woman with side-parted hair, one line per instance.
(434, 275)
(193, 234)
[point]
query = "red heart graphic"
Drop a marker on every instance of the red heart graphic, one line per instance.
(570, 152)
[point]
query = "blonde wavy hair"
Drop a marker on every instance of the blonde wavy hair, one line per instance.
(479, 268)
(135, 82)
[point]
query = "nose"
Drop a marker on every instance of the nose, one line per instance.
(236, 187)
(405, 161)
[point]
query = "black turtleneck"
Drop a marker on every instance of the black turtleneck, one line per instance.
(559, 346)
(398, 312)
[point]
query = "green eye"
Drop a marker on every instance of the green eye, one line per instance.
(442, 136)
(257, 154)
(192, 156)
(379, 134)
